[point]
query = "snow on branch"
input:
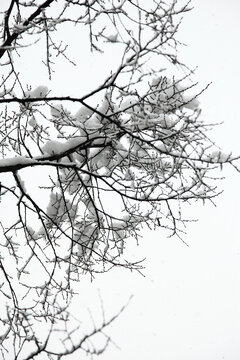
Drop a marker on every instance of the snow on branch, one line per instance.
(92, 153)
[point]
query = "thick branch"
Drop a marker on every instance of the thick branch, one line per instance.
(11, 38)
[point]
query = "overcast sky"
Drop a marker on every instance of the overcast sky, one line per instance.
(187, 305)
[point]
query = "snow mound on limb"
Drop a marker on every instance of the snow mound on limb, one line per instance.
(40, 91)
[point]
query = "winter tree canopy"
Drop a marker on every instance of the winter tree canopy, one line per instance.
(83, 170)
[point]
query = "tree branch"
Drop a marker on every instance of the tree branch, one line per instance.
(12, 37)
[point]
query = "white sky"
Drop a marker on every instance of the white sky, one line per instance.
(187, 307)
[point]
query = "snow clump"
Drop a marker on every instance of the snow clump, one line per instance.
(219, 156)
(40, 91)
